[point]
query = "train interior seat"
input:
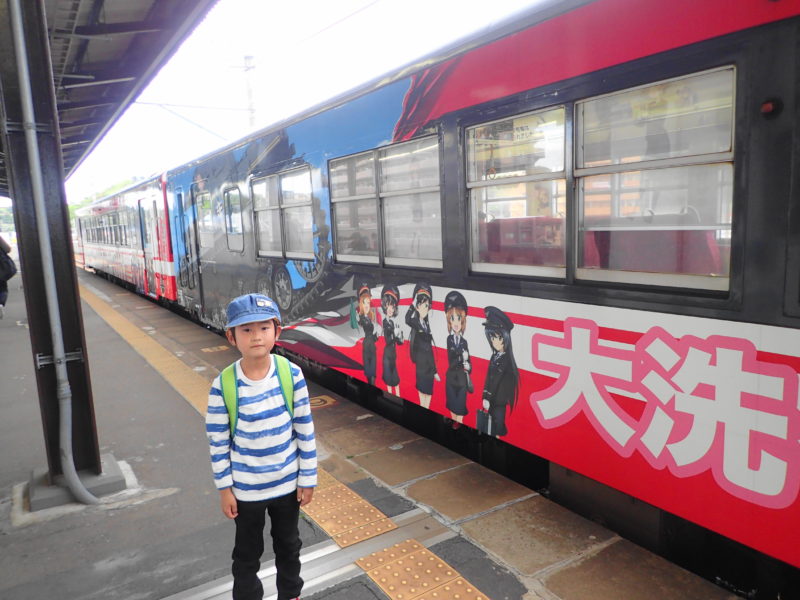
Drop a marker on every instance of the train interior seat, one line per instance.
(645, 244)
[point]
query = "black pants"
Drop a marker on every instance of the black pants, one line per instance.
(284, 513)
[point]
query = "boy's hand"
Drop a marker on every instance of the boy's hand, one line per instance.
(228, 502)
(304, 495)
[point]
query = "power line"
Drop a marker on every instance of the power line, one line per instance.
(165, 104)
(206, 129)
(342, 20)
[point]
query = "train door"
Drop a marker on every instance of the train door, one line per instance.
(147, 221)
(190, 266)
(187, 251)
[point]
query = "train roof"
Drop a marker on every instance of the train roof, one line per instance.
(540, 12)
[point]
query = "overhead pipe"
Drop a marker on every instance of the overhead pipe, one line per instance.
(64, 392)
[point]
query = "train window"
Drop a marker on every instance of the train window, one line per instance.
(233, 219)
(355, 208)
(205, 220)
(397, 186)
(411, 203)
(517, 189)
(295, 188)
(132, 237)
(282, 205)
(654, 173)
(266, 205)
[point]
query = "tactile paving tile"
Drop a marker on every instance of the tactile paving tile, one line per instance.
(458, 589)
(324, 480)
(387, 555)
(329, 498)
(347, 517)
(364, 532)
(413, 575)
(343, 514)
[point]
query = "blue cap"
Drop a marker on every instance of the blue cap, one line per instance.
(251, 308)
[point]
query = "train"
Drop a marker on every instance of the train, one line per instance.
(576, 233)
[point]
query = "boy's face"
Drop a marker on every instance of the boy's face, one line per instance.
(254, 340)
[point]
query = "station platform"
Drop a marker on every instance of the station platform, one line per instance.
(164, 536)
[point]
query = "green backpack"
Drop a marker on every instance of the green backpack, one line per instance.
(230, 391)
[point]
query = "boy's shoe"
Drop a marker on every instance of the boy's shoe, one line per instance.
(2, 311)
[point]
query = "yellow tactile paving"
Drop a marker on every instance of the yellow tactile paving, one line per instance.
(324, 480)
(390, 554)
(347, 517)
(331, 497)
(343, 514)
(413, 575)
(364, 532)
(409, 571)
(458, 589)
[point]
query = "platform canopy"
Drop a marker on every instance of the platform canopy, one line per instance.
(103, 54)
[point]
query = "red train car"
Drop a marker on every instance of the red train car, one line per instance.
(576, 234)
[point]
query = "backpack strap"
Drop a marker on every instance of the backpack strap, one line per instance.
(230, 389)
(230, 393)
(286, 380)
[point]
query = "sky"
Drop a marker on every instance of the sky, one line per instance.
(302, 54)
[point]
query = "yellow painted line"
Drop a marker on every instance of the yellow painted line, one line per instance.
(193, 387)
(214, 349)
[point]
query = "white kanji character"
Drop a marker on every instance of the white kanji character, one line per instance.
(586, 370)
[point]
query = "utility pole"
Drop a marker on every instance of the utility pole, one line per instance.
(251, 107)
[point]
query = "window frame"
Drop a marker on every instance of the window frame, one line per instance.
(280, 208)
(551, 272)
(233, 236)
(713, 283)
(573, 176)
(367, 259)
(380, 196)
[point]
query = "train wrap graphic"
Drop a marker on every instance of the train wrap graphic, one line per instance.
(540, 236)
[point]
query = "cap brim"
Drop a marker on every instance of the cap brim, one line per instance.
(245, 319)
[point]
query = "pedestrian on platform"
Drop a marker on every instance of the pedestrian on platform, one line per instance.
(268, 463)
(7, 270)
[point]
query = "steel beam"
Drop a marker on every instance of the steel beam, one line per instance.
(84, 433)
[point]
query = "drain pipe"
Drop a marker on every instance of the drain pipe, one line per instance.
(64, 393)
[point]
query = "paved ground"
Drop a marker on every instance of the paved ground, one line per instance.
(165, 535)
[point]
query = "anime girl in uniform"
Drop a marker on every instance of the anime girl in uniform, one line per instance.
(421, 342)
(366, 319)
(502, 376)
(390, 300)
(457, 380)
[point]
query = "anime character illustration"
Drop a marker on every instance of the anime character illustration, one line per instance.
(457, 379)
(421, 342)
(366, 316)
(502, 376)
(390, 300)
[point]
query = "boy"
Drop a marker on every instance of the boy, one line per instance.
(270, 462)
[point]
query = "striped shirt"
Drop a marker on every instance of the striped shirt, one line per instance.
(272, 454)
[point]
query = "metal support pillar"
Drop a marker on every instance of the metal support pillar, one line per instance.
(85, 446)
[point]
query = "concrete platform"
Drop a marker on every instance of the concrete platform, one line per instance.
(167, 536)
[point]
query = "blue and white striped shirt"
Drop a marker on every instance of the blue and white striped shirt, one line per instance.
(272, 454)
